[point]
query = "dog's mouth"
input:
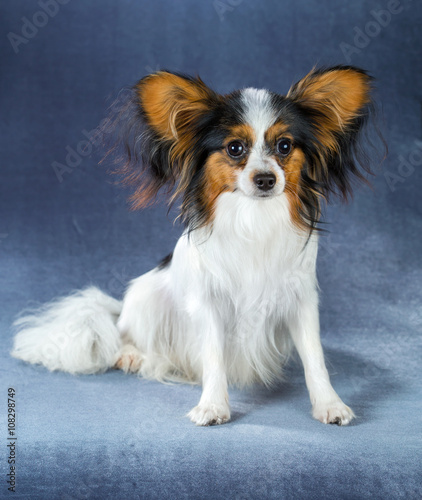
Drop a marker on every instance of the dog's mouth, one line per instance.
(265, 196)
(259, 195)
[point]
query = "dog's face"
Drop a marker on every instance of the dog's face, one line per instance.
(253, 142)
(257, 152)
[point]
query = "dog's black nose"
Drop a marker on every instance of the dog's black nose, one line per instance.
(265, 181)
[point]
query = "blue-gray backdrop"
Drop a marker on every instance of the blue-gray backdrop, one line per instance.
(65, 224)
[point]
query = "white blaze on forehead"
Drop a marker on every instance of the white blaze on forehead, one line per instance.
(258, 113)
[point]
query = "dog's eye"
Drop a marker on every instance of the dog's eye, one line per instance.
(235, 149)
(284, 146)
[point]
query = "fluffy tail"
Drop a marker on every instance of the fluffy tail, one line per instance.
(75, 334)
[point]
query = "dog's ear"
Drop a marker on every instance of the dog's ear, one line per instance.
(159, 128)
(172, 104)
(336, 102)
(337, 96)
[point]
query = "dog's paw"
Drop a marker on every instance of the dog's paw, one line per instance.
(129, 359)
(334, 412)
(209, 414)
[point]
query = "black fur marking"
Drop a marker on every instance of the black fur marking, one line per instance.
(144, 157)
(165, 262)
(209, 138)
(342, 169)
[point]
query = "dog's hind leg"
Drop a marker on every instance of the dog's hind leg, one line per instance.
(148, 324)
(129, 359)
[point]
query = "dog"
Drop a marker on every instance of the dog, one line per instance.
(252, 170)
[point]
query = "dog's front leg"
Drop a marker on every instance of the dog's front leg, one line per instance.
(213, 407)
(327, 407)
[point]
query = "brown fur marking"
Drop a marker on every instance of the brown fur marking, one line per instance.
(338, 95)
(276, 132)
(243, 132)
(220, 177)
(292, 166)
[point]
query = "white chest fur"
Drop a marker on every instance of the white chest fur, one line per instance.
(253, 268)
(253, 254)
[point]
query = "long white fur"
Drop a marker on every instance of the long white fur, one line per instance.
(76, 334)
(225, 311)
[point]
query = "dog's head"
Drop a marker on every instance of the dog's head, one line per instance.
(183, 135)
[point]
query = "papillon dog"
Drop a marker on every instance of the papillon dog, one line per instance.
(251, 170)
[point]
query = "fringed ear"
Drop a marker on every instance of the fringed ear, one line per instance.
(336, 102)
(159, 128)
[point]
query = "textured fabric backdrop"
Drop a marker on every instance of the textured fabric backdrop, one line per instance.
(64, 225)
